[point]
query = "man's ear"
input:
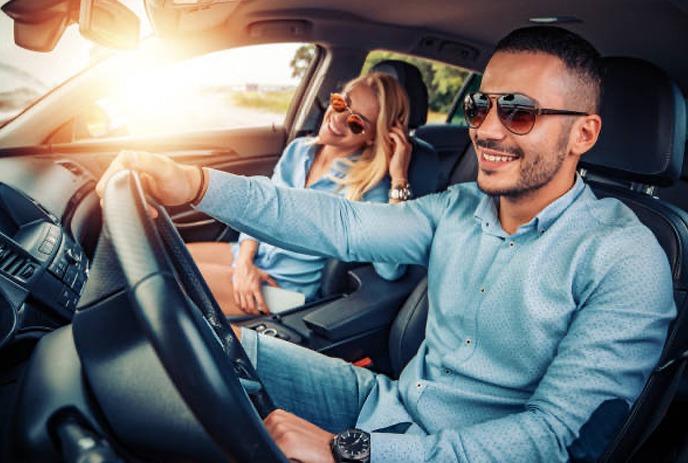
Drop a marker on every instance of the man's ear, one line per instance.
(585, 133)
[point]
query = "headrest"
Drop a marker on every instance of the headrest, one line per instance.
(643, 124)
(411, 79)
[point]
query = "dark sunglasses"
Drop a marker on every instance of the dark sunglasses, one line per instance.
(355, 121)
(516, 112)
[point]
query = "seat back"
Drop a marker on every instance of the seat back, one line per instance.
(423, 170)
(451, 142)
(638, 99)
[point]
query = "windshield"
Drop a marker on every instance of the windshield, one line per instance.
(26, 75)
(155, 89)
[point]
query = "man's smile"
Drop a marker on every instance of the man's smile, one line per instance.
(492, 159)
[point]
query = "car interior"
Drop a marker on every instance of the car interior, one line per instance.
(108, 331)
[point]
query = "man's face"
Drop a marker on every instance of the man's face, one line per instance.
(513, 165)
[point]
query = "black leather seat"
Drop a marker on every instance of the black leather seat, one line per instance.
(423, 171)
(641, 147)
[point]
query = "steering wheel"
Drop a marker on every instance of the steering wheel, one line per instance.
(185, 325)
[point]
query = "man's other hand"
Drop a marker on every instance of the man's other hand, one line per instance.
(298, 439)
(171, 183)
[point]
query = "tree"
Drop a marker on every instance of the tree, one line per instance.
(442, 80)
(301, 60)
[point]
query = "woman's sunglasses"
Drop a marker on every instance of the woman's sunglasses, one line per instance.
(355, 121)
(516, 112)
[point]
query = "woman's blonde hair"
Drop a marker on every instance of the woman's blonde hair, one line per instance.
(372, 166)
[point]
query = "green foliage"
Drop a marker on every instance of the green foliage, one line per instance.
(302, 58)
(443, 81)
(276, 102)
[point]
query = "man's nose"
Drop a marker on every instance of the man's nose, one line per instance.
(492, 127)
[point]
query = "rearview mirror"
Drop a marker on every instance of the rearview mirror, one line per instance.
(108, 23)
(39, 24)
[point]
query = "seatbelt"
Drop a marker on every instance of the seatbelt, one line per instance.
(682, 357)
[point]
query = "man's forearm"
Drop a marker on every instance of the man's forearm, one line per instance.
(522, 437)
(318, 223)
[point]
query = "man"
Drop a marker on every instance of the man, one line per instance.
(538, 318)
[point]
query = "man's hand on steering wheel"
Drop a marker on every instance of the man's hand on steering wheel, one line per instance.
(169, 182)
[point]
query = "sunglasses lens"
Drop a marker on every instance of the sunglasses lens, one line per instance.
(517, 113)
(338, 102)
(475, 109)
(355, 124)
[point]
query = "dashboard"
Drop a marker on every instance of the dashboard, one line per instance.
(49, 214)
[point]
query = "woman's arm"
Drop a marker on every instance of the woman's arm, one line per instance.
(398, 172)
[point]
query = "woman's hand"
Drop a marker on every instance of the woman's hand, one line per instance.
(247, 280)
(401, 155)
(169, 182)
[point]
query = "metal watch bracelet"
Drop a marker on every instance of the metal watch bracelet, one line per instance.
(401, 192)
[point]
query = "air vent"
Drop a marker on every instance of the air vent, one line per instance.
(10, 260)
(71, 166)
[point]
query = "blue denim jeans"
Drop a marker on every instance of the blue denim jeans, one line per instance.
(326, 391)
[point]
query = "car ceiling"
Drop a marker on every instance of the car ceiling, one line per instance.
(656, 30)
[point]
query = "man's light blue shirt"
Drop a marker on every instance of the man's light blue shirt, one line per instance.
(301, 271)
(527, 334)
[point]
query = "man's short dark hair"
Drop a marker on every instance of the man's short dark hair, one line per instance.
(577, 54)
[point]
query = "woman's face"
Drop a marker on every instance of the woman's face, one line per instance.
(335, 131)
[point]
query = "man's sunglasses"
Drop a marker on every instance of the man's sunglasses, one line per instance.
(355, 121)
(516, 112)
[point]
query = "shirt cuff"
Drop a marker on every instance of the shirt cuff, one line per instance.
(392, 448)
(225, 193)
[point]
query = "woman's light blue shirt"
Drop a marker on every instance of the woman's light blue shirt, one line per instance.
(302, 272)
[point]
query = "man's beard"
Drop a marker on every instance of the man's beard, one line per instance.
(535, 170)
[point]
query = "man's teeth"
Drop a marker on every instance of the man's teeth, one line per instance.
(492, 158)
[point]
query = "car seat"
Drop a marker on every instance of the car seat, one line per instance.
(423, 170)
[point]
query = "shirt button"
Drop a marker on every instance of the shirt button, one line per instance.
(419, 385)
(446, 371)
(482, 290)
(512, 244)
(468, 341)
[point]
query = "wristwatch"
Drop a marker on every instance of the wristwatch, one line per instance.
(401, 192)
(351, 446)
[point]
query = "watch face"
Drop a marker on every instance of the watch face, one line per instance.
(353, 444)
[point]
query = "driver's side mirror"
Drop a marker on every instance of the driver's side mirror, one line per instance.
(39, 24)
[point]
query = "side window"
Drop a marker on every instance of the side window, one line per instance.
(236, 88)
(443, 81)
(472, 85)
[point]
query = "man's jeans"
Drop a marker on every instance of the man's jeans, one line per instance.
(325, 391)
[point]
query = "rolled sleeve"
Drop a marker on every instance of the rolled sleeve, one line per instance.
(321, 223)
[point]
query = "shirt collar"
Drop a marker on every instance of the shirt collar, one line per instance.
(488, 215)
(339, 167)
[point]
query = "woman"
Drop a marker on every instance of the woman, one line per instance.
(360, 151)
